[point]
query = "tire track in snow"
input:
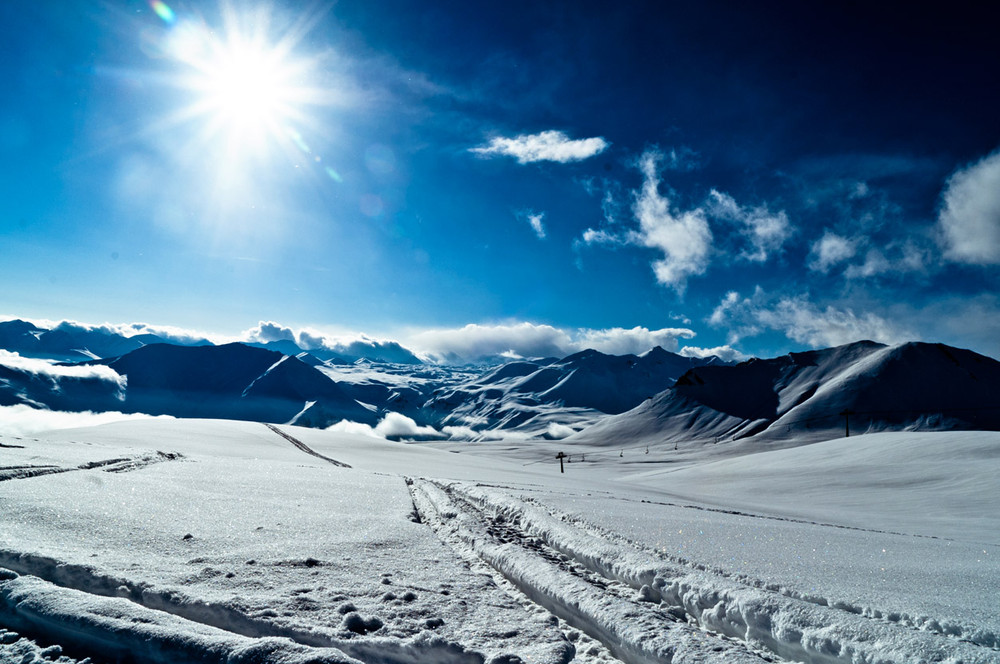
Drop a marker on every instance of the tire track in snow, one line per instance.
(965, 634)
(790, 628)
(947, 628)
(303, 447)
(635, 631)
(732, 512)
(117, 465)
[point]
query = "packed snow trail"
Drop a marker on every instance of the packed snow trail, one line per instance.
(636, 631)
(305, 448)
(116, 465)
(543, 553)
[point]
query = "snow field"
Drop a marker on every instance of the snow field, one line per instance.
(788, 627)
(265, 535)
(271, 543)
(934, 484)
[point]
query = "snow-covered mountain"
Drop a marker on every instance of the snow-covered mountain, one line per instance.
(602, 399)
(880, 387)
(67, 342)
(521, 393)
(233, 381)
(72, 342)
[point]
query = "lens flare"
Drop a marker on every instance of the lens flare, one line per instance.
(163, 11)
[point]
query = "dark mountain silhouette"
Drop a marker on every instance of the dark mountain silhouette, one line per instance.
(913, 385)
(233, 381)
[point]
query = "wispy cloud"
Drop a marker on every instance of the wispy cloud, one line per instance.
(544, 146)
(685, 237)
(969, 221)
(896, 258)
(801, 320)
(766, 231)
(830, 250)
(536, 220)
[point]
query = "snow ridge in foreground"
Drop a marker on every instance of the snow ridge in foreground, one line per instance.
(671, 606)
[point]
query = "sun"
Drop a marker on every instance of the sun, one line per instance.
(244, 87)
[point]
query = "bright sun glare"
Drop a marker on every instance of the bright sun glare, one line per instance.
(247, 89)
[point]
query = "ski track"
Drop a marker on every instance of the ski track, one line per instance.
(24, 578)
(751, 515)
(117, 465)
(924, 623)
(305, 448)
(578, 572)
(635, 631)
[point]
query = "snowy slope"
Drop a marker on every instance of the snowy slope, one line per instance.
(929, 386)
(194, 540)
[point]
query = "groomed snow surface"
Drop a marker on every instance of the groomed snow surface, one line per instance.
(238, 542)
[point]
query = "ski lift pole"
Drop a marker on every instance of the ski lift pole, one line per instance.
(846, 414)
(561, 456)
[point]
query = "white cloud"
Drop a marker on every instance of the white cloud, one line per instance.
(399, 425)
(356, 428)
(727, 353)
(350, 344)
(167, 332)
(801, 320)
(544, 146)
(474, 342)
(969, 221)
(477, 341)
(684, 237)
(23, 420)
(830, 250)
(267, 332)
(558, 431)
(393, 424)
(620, 341)
(171, 334)
(766, 230)
(536, 221)
(875, 264)
(49, 369)
(601, 236)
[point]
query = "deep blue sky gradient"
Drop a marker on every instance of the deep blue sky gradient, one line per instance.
(848, 117)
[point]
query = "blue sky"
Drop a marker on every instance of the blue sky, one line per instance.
(482, 177)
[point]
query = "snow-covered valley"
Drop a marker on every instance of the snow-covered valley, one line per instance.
(222, 541)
